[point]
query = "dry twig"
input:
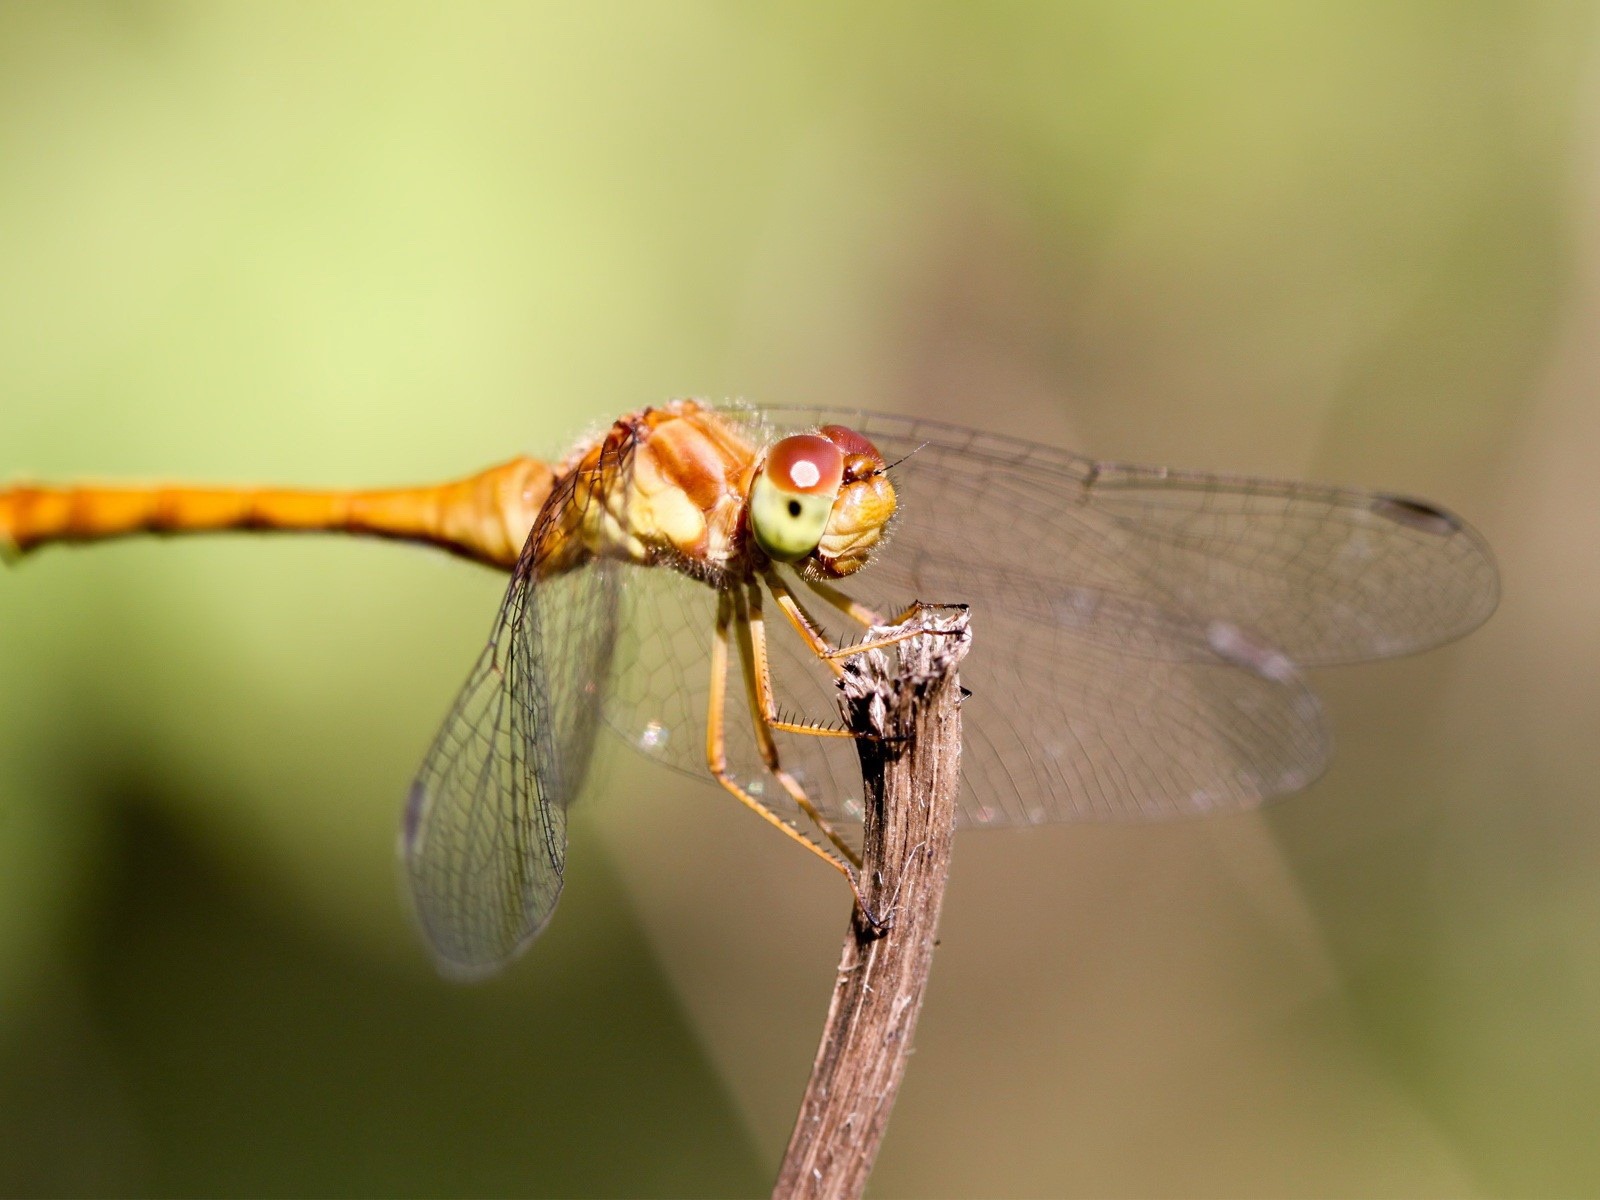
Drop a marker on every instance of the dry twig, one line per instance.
(911, 774)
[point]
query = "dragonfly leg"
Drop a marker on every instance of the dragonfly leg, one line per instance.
(854, 609)
(804, 624)
(749, 648)
(847, 862)
(868, 617)
(753, 627)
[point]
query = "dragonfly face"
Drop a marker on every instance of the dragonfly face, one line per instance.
(821, 500)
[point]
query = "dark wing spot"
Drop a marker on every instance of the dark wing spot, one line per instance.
(1416, 514)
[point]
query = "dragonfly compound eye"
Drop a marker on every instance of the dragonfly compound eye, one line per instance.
(793, 494)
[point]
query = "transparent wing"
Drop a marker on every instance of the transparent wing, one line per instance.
(484, 834)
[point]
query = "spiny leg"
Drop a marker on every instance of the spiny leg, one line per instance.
(717, 758)
(878, 643)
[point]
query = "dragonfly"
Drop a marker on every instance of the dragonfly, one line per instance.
(1142, 632)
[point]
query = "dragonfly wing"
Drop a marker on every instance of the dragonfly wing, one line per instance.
(1326, 575)
(484, 835)
(1138, 632)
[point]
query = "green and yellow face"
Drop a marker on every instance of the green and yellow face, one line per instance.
(821, 500)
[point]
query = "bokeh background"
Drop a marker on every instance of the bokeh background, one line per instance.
(394, 243)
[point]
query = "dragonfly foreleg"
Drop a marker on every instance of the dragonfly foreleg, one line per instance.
(830, 655)
(869, 618)
(854, 609)
(886, 640)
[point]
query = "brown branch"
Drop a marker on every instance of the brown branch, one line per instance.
(911, 774)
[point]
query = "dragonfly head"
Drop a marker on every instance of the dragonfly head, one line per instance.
(821, 499)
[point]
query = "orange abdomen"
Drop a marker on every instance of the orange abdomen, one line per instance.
(485, 517)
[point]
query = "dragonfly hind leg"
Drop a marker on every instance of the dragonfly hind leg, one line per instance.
(758, 688)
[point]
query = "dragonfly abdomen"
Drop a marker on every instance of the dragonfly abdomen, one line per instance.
(485, 517)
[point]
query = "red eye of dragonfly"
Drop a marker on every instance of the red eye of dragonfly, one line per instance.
(806, 463)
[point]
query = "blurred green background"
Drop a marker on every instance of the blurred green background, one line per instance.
(376, 243)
